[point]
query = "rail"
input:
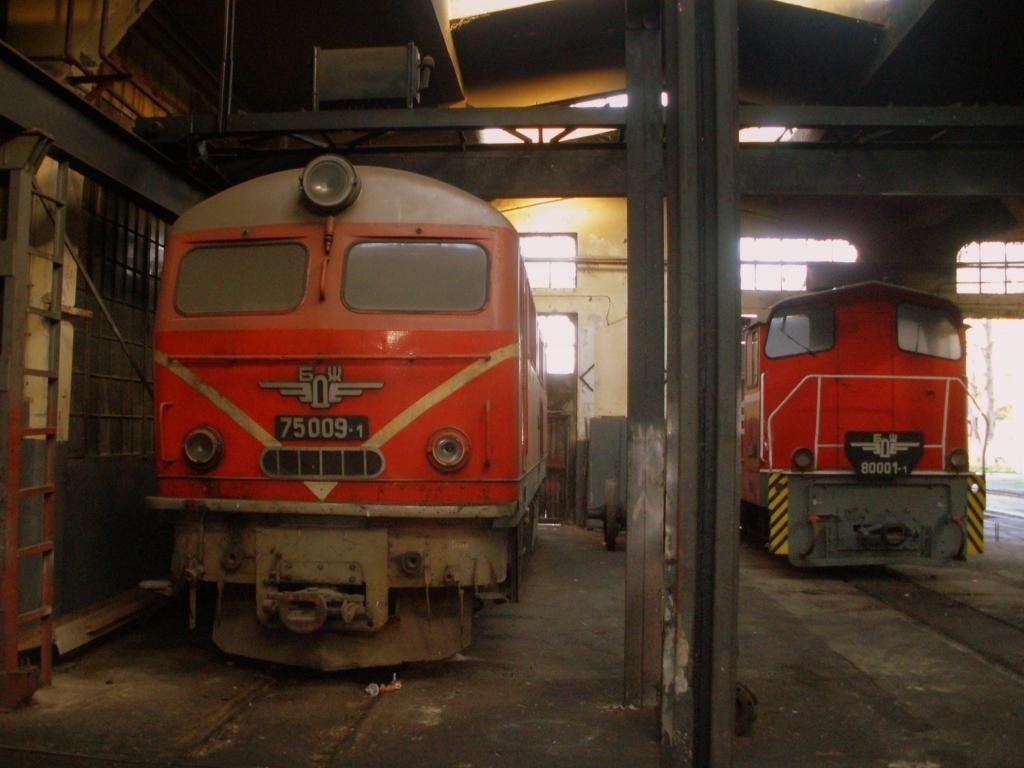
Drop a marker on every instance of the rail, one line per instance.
(769, 441)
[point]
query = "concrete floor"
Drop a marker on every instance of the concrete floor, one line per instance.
(541, 685)
(921, 668)
(902, 668)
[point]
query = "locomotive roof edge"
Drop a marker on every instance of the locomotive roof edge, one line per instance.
(866, 290)
(387, 195)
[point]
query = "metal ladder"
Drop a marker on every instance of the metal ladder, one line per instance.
(29, 370)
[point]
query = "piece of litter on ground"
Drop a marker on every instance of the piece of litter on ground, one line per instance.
(375, 689)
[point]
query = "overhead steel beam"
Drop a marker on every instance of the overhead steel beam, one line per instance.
(824, 116)
(163, 130)
(951, 171)
(779, 169)
(174, 129)
(90, 139)
(539, 172)
(543, 171)
(770, 170)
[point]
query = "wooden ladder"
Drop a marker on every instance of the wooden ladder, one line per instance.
(33, 278)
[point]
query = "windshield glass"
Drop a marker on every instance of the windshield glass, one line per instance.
(244, 277)
(927, 331)
(416, 276)
(800, 331)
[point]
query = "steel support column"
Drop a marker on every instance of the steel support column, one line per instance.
(701, 531)
(645, 497)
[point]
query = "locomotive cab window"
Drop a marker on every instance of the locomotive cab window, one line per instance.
(800, 331)
(416, 276)
(927, 331)
(238, 278)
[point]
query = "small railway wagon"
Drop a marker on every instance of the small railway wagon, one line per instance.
(855, 433)
(349, 412)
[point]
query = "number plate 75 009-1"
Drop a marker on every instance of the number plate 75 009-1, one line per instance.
(321, 427)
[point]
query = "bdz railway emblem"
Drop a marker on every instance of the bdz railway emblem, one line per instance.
(883, 454)
(320, 390)
(886, 446)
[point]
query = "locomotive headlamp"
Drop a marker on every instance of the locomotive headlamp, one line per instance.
(329, 183)
(956, 460)
(203, 447)
(803, 459)
(448, 449)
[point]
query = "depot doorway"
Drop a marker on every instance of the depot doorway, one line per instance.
(558, 333)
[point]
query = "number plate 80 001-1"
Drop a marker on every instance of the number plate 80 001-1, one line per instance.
(321, 427)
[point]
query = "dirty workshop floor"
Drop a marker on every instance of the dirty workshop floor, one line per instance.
(541, 685)
(899, 668)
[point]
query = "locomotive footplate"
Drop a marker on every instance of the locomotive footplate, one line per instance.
(334, 580)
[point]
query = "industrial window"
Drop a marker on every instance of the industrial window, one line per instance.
(550, 260)
(780, 264)
(991, 268)
(927, 331)
(800, 331)
(246, 277)
(121, 245)
(416, 276)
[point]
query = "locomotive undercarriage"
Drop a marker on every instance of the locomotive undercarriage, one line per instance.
(838, 520)
(345, 592)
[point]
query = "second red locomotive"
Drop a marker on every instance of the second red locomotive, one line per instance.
(854, 445)
(349, 412)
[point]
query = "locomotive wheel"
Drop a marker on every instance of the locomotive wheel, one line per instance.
(517, 541)
(612, 514)
(611, 533)
(531, 533)
(746, 709)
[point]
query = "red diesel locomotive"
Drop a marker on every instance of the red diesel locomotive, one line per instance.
(349, 413)
(854, 444)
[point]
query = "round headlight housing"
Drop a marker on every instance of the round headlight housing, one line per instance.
(329, 184)
(802, 459)
(202, 448)
(957, 460)
(448, 449)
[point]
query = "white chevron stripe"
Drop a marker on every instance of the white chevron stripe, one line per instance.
(440, 392)
(323, 489)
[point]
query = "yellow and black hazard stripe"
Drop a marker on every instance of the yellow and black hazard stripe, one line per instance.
(778, 513)
(975, 523)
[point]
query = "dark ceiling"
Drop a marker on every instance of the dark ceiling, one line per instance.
(274, 42)
(930, 52)
(946, 52)
(541, 40)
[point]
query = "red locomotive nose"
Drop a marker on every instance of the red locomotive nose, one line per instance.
(366, 346)
(855, 429)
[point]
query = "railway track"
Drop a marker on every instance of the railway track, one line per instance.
(237, 732)
(998, 641)
(1003, 525)
(245, 729)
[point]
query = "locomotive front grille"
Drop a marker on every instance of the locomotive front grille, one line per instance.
(322, 463)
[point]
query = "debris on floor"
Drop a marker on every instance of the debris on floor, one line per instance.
(375, 689)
